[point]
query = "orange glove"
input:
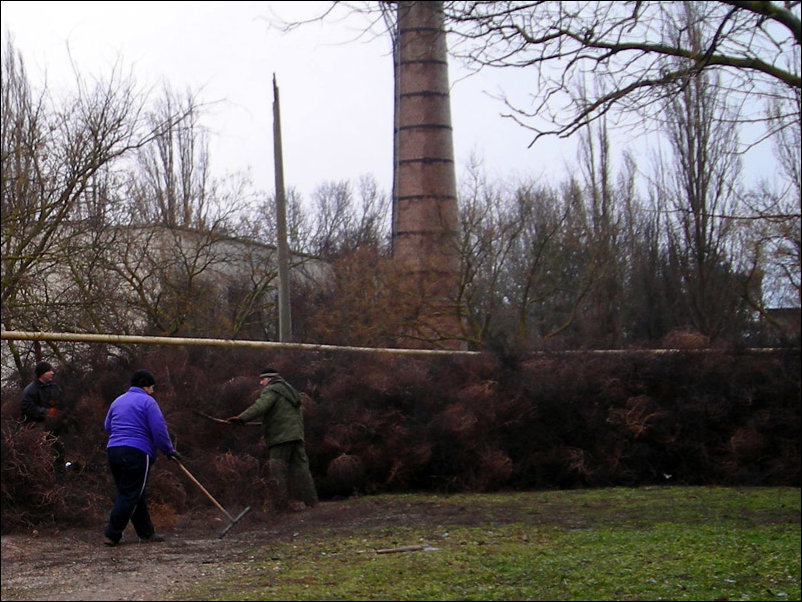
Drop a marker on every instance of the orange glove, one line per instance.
(53, 413)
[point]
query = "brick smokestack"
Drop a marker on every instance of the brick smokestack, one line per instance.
(425, 212)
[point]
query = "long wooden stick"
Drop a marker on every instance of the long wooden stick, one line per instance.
(404, 549)
(232, 521)
(221, 421)
(203, 489)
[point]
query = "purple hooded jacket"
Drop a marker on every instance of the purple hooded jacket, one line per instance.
(135, 419)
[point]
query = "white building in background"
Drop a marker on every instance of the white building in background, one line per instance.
(152, 280)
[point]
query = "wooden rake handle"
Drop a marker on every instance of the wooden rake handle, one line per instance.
(202, 488)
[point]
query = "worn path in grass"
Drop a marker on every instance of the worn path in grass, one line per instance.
(74, 564)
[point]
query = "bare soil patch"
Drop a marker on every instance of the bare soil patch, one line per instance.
(73, 564)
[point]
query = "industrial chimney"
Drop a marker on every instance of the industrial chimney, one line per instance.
(425, 213)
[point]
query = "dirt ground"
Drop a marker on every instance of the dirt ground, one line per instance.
(74, 564)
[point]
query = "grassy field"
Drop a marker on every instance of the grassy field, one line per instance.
(650, 543)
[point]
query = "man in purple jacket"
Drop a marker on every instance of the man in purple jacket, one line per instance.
(137, 432)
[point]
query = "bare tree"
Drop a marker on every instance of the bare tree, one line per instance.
(646, 288)
(776, 251)
(527, 263)
(55, 153)
(343, 221)
(171, 182)
(701, 197)
(489, 232)
(259, 222)
(333, 214)
(632, 47)
(644, 57)
(609, 202)
(361, 302)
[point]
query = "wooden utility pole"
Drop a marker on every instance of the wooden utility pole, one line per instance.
(284, 319)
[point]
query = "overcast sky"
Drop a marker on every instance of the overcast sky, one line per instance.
(336, 91)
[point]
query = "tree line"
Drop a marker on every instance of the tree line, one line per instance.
(111, 188)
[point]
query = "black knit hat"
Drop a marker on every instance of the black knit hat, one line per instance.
(268, 373)
(42, 367)
(142, 378)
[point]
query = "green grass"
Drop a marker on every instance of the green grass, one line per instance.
(670, 543)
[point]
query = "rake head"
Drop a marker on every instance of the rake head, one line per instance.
(233, 522)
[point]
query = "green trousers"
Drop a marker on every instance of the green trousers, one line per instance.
(289, 475)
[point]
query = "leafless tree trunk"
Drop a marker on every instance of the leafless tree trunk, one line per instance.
(702, 198)
(606, 253)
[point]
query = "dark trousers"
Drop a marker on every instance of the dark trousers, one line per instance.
(130, 468)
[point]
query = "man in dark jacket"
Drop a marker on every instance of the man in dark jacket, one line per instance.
(279, 407)
(40, 399)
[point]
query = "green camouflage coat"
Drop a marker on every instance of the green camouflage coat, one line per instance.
(279, 406)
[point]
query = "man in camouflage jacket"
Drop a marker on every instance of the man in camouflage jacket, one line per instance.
(279, 407)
